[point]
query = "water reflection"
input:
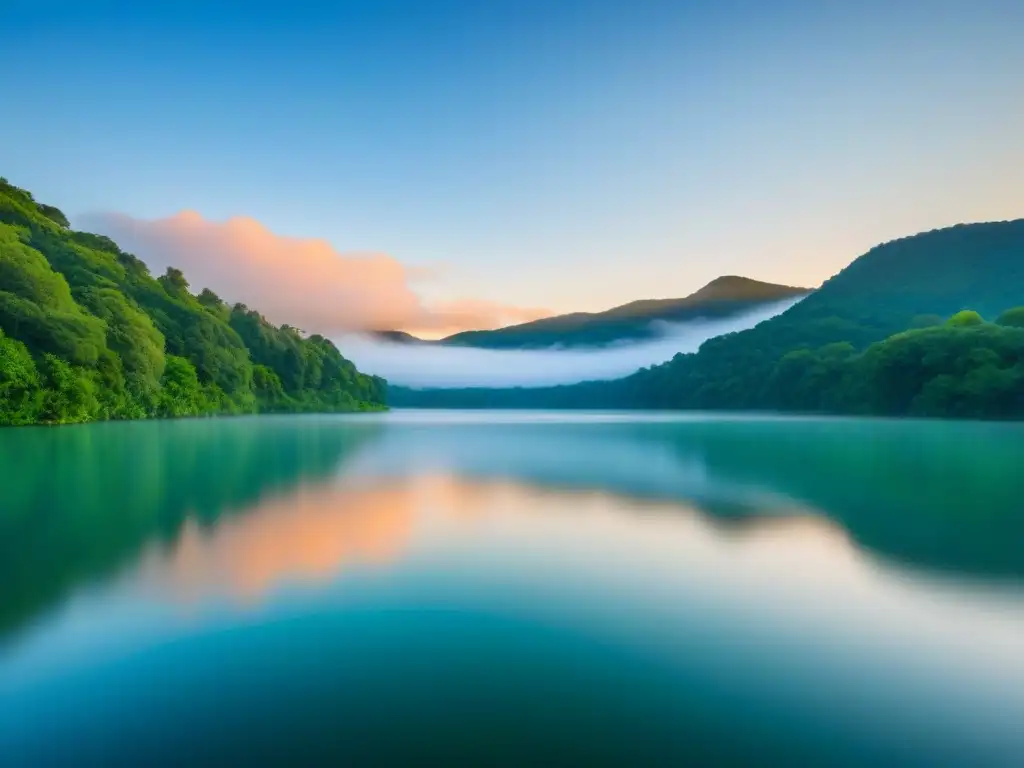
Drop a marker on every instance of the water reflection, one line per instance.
(715, 575)
(76, 504)
(307, 536)
(945, 498)
(795, 565)
(939, 496)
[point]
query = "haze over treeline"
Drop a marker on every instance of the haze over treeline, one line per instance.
(927, 325)
(430, 365)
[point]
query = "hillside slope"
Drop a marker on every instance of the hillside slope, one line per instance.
(87, 333)
(914, 282)
(720, 298)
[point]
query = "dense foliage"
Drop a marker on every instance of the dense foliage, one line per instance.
(87, 333)
(965, 368)
(870, 341)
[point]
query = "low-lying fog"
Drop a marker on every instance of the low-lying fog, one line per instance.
(431, 365)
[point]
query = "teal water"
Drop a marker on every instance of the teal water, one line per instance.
(522, 589)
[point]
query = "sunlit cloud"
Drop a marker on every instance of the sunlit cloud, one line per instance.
(304, 282)
(465, 314)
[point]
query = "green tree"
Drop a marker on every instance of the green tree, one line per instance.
(268, 389)
(54, 214)
(174, 281)
(181, 394)
(1013, 318)
(132, 335)
(36, 306)
(965, 319)
(69, 396)
(19, 383)
(87, 333)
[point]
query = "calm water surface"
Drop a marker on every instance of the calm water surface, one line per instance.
(476, 588)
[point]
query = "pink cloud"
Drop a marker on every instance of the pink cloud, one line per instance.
(304, 282)
(474, 314)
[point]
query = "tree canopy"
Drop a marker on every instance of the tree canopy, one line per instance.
(87, 333)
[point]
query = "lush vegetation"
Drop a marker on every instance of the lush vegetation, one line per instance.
(721, 298)
(963, 368)
(86, 333)
(872, 340)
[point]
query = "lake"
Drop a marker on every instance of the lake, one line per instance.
(512, 588)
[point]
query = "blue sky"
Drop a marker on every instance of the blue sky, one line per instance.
(566, 155)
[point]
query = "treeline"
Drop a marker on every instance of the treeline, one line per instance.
(847, 348)
(86, 333)
(963, 368)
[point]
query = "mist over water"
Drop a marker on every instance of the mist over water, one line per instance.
(430, 365)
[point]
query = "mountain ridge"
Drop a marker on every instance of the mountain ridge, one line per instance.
(873, 339)
(724, 296)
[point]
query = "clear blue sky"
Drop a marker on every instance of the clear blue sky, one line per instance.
(553, 153)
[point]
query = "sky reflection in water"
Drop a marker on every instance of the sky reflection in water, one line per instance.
(718, 550)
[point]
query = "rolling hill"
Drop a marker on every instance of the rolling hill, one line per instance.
(877, 325)
(635, 321)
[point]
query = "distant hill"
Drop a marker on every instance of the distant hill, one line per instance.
(399, 337)
(635, 321)
(913, 282)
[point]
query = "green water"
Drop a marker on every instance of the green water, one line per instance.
(521, 589)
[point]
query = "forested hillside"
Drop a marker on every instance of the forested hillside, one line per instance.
(873, 339)
(87, 333)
